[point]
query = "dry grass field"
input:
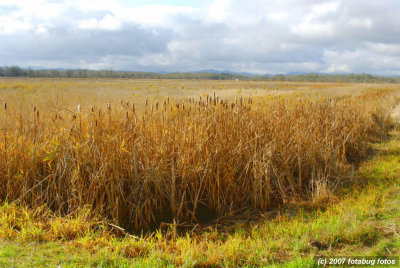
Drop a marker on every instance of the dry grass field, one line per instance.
(136, 156)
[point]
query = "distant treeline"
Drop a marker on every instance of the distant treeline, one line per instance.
(354, 78)
(15, 71)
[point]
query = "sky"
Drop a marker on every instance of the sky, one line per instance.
(255, 36)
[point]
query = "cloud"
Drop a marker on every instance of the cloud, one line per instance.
(261, 36)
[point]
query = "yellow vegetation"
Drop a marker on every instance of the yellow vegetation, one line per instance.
(143, 160)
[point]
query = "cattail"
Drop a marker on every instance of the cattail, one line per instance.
(156, 105)
(5, 106)
(108, 107)
(34, 108)
(92, 109)
(147, 102)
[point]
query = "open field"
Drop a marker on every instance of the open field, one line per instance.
(215, 172)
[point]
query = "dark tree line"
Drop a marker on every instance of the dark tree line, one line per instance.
(15, 71)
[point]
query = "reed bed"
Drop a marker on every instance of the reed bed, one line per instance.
(190, 160)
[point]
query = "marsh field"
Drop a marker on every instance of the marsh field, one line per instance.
(121, 172)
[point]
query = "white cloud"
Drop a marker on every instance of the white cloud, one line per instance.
(253, 35)
(323, 9)
(384, 49)
(313, 30)
(154, 15)
(361, 22)
(10, 26)
(41, 29)
(110, 23)
(89, 24)
(217, 10)
(278, 16)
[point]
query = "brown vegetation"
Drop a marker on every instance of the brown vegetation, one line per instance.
(188, 160)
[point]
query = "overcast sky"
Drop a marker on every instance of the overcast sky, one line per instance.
(258, 36)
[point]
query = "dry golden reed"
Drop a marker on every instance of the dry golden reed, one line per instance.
(188, 161)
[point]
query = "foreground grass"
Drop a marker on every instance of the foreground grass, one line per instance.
(363, 220)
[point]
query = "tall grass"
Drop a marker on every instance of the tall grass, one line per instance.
(188, 161)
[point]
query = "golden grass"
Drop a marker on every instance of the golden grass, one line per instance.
(185, 159)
